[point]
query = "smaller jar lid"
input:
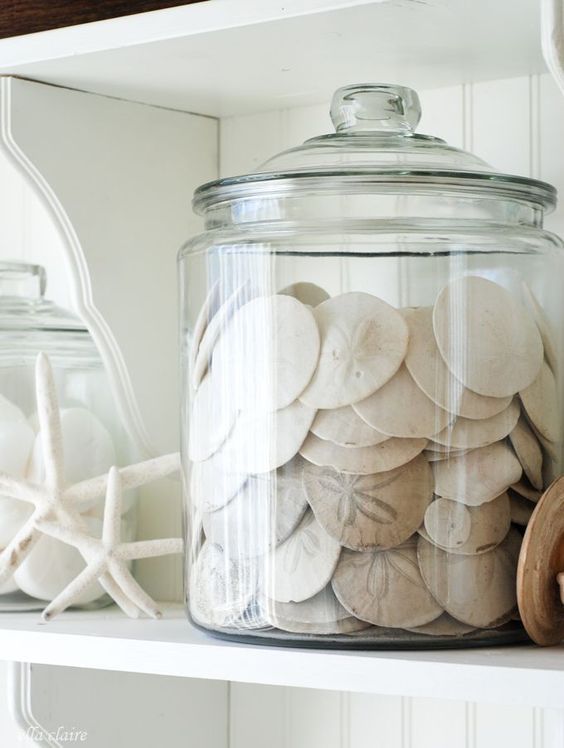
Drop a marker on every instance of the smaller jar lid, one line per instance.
(375, 143)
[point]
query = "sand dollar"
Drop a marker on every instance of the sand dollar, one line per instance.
(400, 408)
(540, 401)
(467, 433)
(214, 482)
(523, 488)
(547, 336)
(361, 460)
(363, 342)
(477, 590)
(478, 476)
(367, 511)
(521, 509)
(268, 352)
(427, 367)
(385, 587)
(343, 426)
(528, 452)
(448, 523)
(302, 566)
(444, 626)
(213, 416)
(207, 311)
(308, 293)
(433, 456)
(487, 338)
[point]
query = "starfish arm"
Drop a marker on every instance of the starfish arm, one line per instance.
(132, 589)
(18, 488)
(49, 417)
(18, 549)
(132, 476)
(69, 595)
(59, 532)
(150, 548)
(112, 509)
(115, 592)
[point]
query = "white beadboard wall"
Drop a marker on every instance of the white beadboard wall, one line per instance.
(517, 125)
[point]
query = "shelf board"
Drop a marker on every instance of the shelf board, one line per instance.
(106, 640)
(225, 57)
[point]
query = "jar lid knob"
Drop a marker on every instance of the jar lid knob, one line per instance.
(375, 107)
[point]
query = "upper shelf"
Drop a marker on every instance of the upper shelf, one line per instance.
(106, 640)
(225, 57)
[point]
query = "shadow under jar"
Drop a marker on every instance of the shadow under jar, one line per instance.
(371, 381)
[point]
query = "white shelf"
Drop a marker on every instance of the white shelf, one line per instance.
(106, 640)
(225, 57)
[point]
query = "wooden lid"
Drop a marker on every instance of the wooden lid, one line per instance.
(540, 582)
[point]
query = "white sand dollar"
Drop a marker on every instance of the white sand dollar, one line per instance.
(268, 352)
(368, 511)
(440, 456)
(477, 590)
(467, 433)
(546, 333)
(485, 526)
(9, 411)
(487, 338)
(220, 587)
(427, 367)
(16, 443)
(13, 514)
(385, 587)
(308, 293)
(401, 408)
(528, 452)
(207, 311)
(363, 342)
(263, 514)
(540, 401)
(478, 476)
(261, 442)
(444, 625)
(343, 426)
(213, 416)
(361, 460)
(302, 566)
(214, 482)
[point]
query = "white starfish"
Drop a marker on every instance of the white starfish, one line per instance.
(106, 558)
(53, 500)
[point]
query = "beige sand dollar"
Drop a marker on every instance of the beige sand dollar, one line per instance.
(268, 352)
(548, 340)
(521, 509)
(361, 460)
(478, 476)
(489, 525)
(528, 451)
(488, 340)
(213, 416)
(428, 369)
(448, 455)
(523, 488)
(385, 587)
(476, 590)
(363, 342)
(540, 401)
(308, 293)
(261, 442)
(444, 625)
(343, 426)
(400, 408)
(302, 566)
(368, 511)
(467, 433)
(263, 514)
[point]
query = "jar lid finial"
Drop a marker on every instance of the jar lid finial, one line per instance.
(375, 107)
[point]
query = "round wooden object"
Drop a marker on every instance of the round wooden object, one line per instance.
(303, 565)
(540, 562)
(540, 401)
(478, 476)
(213, 416)
(263, 442)
(400, 408)
(362, 460)
(363, 342)
(368, 511)
(476, 590)
(528, 451)
(268, 352)
(467, 433)
(308, 293)
(428, 369)
(488, 340)
(343, 426)
(385, 587)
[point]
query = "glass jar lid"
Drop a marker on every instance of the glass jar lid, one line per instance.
(375, 145)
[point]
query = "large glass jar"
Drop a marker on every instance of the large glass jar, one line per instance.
(93, 438)
(371, 387)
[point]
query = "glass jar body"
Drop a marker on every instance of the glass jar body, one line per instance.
(360, 443)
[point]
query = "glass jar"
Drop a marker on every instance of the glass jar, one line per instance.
(371, 387)
(93, 438)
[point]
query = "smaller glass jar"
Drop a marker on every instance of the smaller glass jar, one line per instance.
(93, 436)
